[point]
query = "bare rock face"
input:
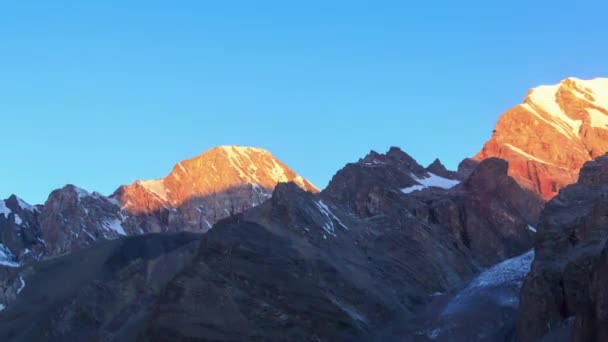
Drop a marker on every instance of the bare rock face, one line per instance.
(489, 213)
(73, 219)
(200, 191)
(437, 168)
(565, 283)
(549, 137)
(19, 232)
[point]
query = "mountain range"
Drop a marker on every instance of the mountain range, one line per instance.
(233, 245)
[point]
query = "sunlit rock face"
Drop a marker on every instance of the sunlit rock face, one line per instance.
(200, 191)
(549, 137)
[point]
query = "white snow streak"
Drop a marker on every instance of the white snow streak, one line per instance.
(545, 99)
(7, 258)
(431, 181)
(4, 209)
(25, 206)
(330, 217)
(81, 193)
(156, 188)
(527, 155)
(21, 286)
(90, 235)
(115, 225)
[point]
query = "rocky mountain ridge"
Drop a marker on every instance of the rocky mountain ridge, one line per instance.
(198, 192)
(388, 249)
(368, 250)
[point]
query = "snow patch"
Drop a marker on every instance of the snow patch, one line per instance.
(598, 88)
(433, 334)
(114, 201)
(330, 217)
(504, 272)
(509, 273)
(527, 155)
(532, 229)
(81, 193)
(412, 188)
(115, 225)
(2, 307)
(350, 311)
(241, 161)
(545, 99)
(181, 167)
(598, 119)
(4, 210)
(559, 128)
(21, 285)
(431, 181)
(156, 188)
(90, 235)
(278, 173)
(25, 206)
(7, 258)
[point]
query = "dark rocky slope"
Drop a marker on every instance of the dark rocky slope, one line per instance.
(104, 293)
(344, 264)
(564, 295)
(369, 253)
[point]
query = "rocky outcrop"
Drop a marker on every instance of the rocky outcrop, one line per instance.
(437, 168)
(592, 320)
(488, 213)
(548, 137)
(20, 236)
(564, 285)
(72, 219)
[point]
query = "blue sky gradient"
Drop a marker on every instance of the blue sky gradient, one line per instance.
(100, 94)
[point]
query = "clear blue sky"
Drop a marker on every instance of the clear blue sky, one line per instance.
(99, 95)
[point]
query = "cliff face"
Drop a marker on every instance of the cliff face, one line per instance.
(564, 291)
(549, 137)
